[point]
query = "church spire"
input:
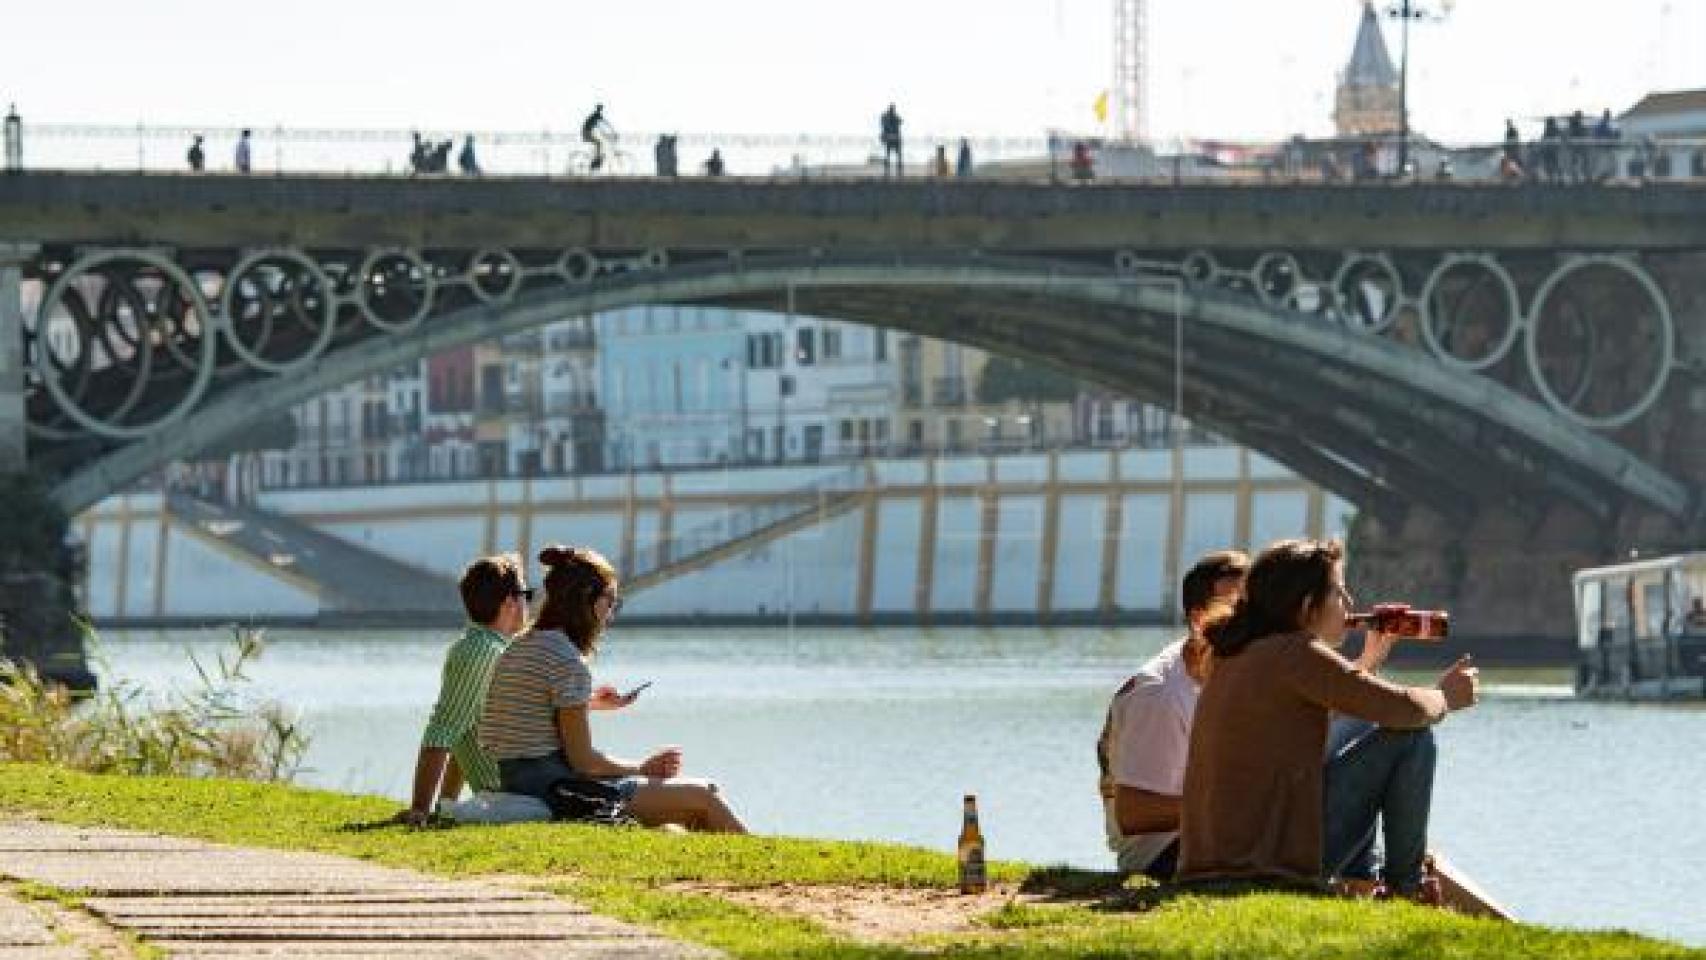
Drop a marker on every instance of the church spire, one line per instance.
(1370, 64)
(1367, 101)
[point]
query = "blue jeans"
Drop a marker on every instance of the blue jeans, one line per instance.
(1373, 773)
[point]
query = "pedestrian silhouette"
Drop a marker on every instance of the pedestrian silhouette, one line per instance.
(663, 152)
(1083, 166)
(466, 160)
(962, 163)
(197, 156)
(243, 153)
(714, 164)
(893, 160)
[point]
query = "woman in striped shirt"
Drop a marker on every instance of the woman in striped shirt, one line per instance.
(535, 718)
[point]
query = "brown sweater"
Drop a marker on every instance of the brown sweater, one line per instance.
(1253, 804)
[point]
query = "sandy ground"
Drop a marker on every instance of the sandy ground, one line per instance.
(873, 914)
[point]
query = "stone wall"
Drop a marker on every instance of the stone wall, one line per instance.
(38, 580)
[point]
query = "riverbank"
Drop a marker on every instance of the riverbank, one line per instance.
(1515, 652)
(752, 897)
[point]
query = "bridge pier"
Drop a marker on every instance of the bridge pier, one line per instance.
(12, 433)
(39, 570)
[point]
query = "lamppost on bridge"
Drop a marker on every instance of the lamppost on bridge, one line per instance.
(1407, 12)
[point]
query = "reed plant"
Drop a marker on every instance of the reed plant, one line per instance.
(213, 728)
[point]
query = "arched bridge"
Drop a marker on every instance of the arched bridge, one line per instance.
(1506, 381)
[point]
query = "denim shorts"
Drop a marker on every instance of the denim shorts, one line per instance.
(533, 776)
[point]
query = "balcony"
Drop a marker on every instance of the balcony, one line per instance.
(569, 401)
(528, 342)
(564, 341)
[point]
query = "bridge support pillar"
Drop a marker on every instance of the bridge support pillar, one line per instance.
(12, 435)
(39, 568)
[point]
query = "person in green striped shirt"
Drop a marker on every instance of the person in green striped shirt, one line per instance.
(495, 594)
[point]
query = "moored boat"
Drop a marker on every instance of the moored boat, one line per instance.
(1641, 629)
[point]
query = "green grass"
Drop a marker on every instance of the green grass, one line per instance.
(619, 872)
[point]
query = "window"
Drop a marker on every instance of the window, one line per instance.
(882, 346)
(953, 434)
(882, 432)
(805, 347)
(915, 433)
(846, 431)
(831, 343)
(763, 351)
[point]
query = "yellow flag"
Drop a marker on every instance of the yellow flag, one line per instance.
(1101, 107)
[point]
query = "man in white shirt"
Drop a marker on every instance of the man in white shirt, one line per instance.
(1147, 735)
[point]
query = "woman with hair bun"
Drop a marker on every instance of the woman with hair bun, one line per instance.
(535, 719)
(1258, 803)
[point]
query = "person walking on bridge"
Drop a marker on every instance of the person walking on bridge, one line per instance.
(197, 156)
(466, 160)
(889, 133)
(243, 153)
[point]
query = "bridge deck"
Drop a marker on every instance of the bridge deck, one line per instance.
(329, 212)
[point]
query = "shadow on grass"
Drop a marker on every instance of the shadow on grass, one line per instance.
(1115, 893)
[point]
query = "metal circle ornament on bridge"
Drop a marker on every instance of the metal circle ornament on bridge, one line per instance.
(1368, 291)
(278, 310)
(1470, 312)
(577, 265)
(494, 275)
(396, 291)
(1594, 355)
(1276, 276)
(1199, 267)
(140, 359)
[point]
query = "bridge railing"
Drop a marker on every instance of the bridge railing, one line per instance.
(501, 153)
(561, 153)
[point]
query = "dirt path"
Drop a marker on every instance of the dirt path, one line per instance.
(193, 899)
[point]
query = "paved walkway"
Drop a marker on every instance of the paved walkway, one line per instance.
(193, 899)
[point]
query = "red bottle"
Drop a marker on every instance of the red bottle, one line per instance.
(1399, 619)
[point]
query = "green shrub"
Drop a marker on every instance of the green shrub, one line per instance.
(211, 730)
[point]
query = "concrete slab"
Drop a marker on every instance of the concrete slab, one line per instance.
(42, 953)
(22, 927)
(197, 899)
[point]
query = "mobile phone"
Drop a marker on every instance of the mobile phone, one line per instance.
(631, 694)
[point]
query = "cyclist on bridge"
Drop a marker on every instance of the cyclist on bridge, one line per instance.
(595, 130)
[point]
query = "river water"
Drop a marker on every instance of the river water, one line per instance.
(1572, 813)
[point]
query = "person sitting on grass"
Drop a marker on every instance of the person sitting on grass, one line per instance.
(495, 595)
(1258, 804)
(1147, 734)
(535, 721)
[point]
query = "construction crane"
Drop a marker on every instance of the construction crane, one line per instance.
(1131, 69)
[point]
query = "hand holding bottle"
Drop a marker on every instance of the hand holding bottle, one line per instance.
(1461, 684)
(664, 764)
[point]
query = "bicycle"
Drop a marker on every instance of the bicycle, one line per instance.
(617, 162)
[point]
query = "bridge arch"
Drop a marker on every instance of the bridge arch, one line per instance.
(1374, 421)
